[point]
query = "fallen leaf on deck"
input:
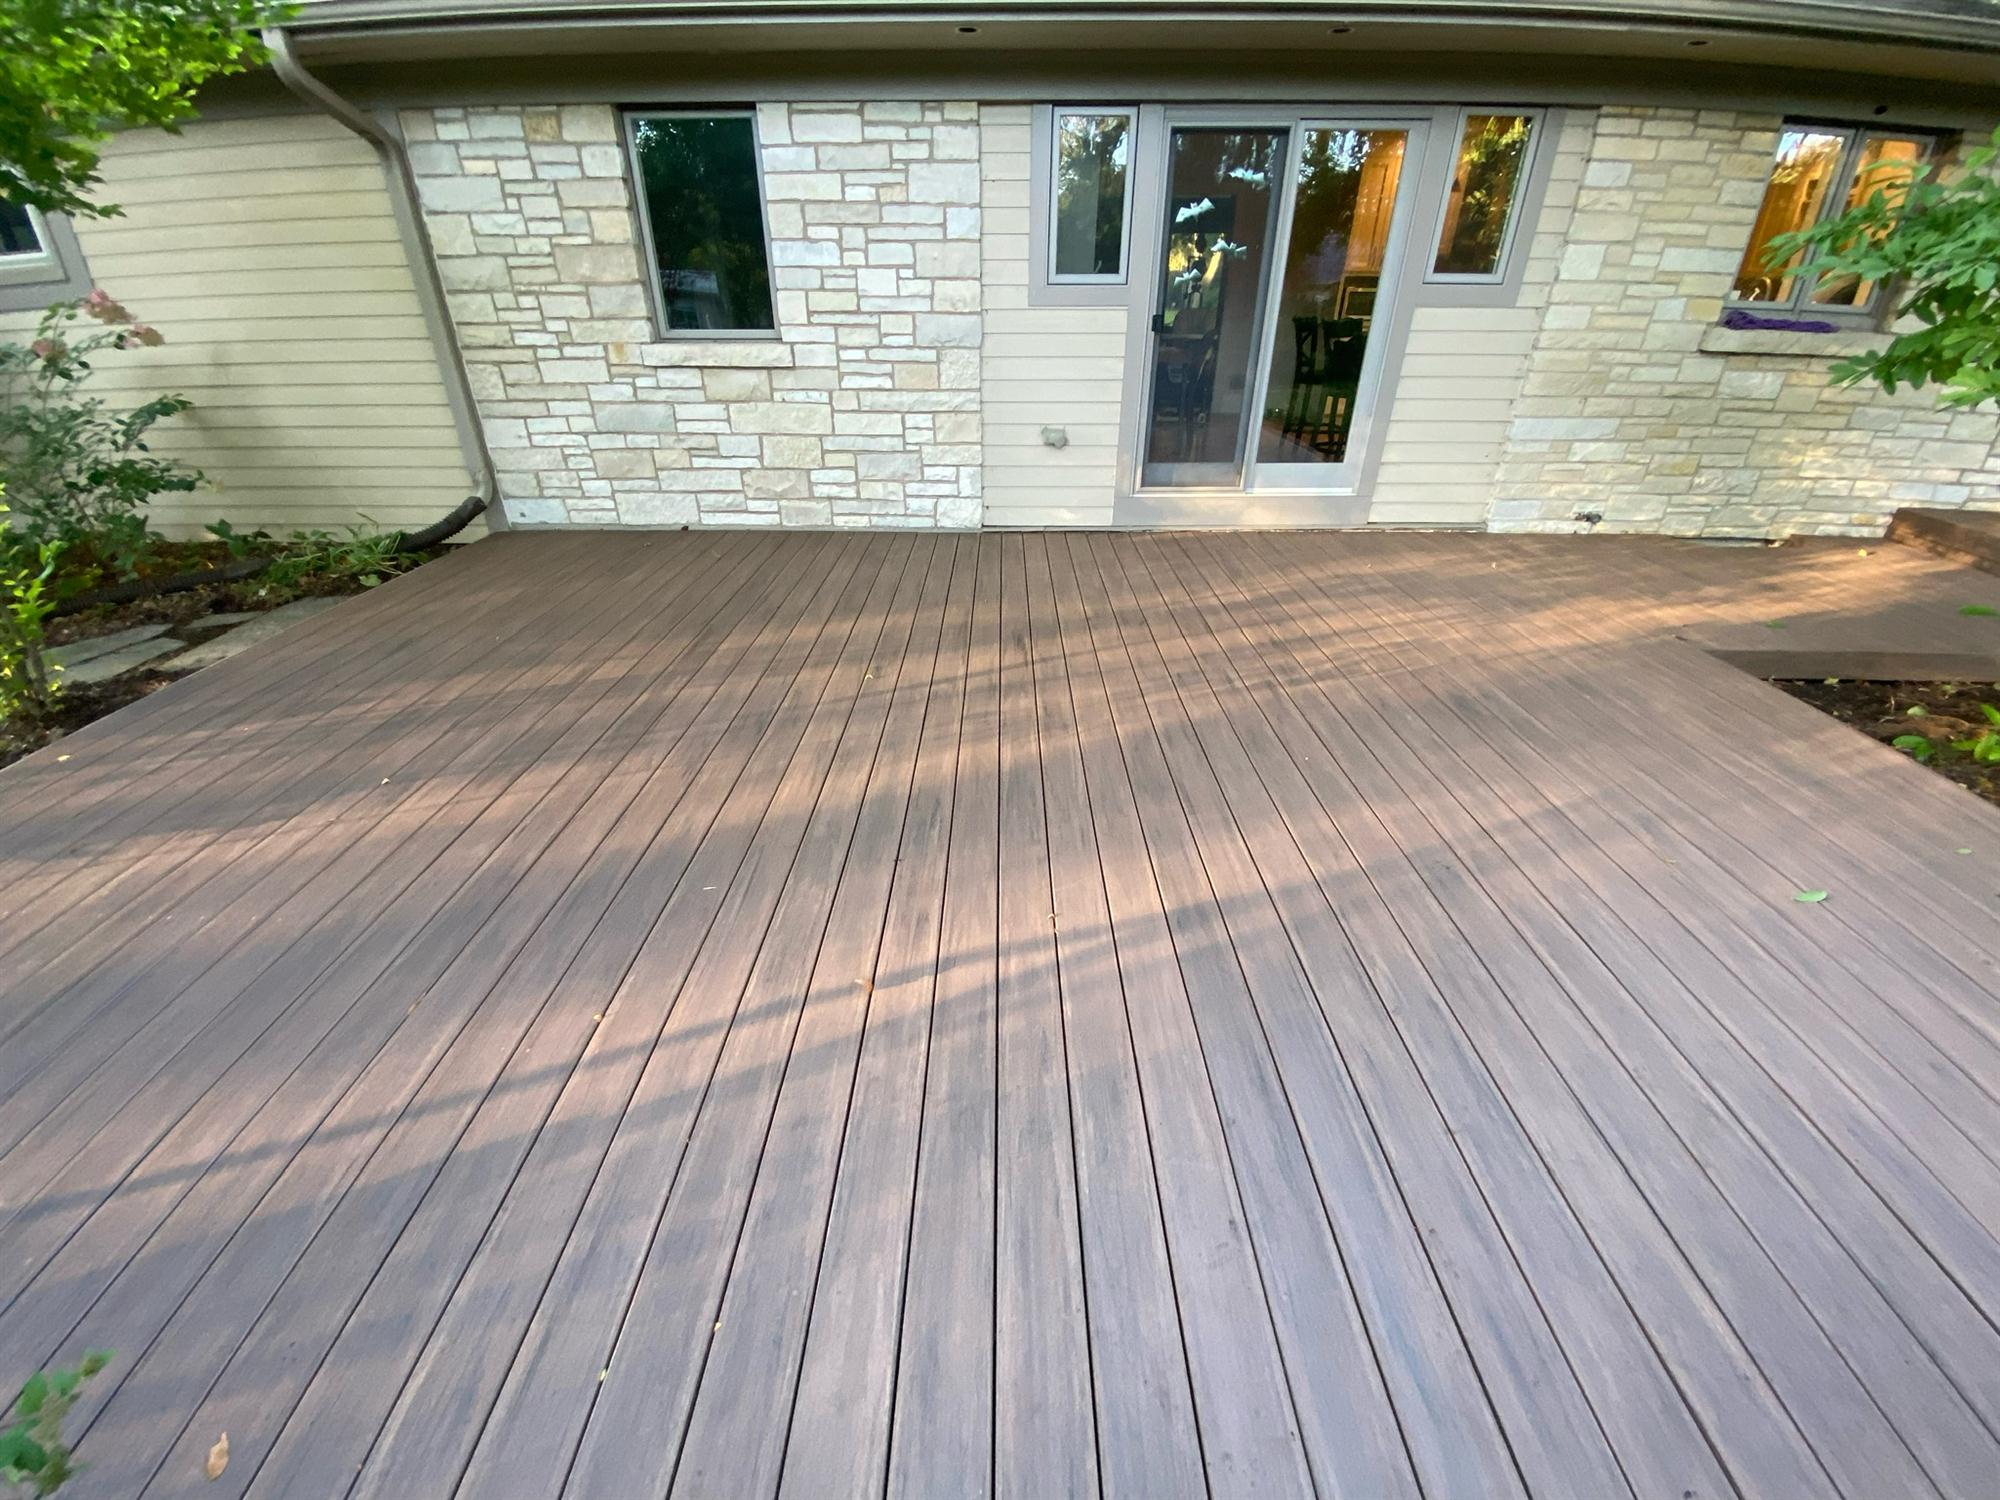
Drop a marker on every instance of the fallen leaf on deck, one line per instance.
(218, 1457)
(1810, 897)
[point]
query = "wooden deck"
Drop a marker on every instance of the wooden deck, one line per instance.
(728, 1016)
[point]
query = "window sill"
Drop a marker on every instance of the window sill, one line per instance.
(1837, 345)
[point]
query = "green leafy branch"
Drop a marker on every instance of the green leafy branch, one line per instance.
(34, 1458)
(1938, 243)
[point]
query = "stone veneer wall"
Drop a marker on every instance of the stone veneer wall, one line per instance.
(1636, 405)
(864, 412)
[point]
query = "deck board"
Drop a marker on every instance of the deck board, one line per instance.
(1027, 1015)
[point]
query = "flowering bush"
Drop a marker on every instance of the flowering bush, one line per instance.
(76, 471)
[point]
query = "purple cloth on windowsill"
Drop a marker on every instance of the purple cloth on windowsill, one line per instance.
(1739, 317)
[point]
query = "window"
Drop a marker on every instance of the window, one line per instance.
(19, 233)
(1819, 172)
(701, 208)
(40, 261)
(1089, 195)
(1488, 177)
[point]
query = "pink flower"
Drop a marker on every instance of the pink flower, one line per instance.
(151, 337)
(102, 306)
(47, 349)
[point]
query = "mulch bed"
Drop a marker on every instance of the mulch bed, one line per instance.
(1882, 710)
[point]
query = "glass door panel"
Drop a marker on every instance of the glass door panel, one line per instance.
(1336, 257)
(1221, 230)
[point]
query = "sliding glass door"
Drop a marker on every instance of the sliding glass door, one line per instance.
(1277, 267)
(1221, 228)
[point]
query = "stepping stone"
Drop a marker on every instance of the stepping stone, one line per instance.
(115, 663)
(75, 653)
(189, 628)
(261, 627)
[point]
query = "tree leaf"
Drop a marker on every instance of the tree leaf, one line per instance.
(1809, 898)
(218, 1457)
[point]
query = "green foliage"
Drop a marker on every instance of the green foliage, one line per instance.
(310, 561)
(74, 71)
(34, 1459)
(1918, 747)
(1983, 747)
(1978, 609)
(1939, 243)
(76, 470)
(28, 685)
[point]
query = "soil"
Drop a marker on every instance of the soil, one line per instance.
(1951, 710)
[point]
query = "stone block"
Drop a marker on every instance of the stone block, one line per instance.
(780, 187)
(588, 122)
(776, 484)
(763, 417)
(948, 330)
(736, 385)
(636, 416)
(584, 265)
(815, 128)
(592, 192)
(624, 463)
(655, 508)
(1755, 385)
(943, 182)
(459, 194)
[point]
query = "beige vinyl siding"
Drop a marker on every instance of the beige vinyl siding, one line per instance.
(266, 250)
(1042, 367)
(1451, 400)
(1448, 410)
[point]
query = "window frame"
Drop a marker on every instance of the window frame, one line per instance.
(1122, 276)
(1074, 289)
(629, 119)
(56, 273)
(1799, 303)
(1537, 117)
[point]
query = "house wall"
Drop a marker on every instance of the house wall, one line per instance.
(1045, 369)
(1636, 406)
(266, 251)
(1453, 396)
(865, 411)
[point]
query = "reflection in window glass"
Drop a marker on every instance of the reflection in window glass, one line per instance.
(1345, 201)
(1484, 186)
(1885, 164)
(1092, 157)
(697, 177)
(17, 231)
(1801, 177)
(1222, 211)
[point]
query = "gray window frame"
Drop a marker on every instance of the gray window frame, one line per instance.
(57, 274)
(629, 120)
(1525, 186)
(1799, 304)
(1045, 287)
(1130, 114)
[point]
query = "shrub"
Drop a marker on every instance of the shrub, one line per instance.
(33, 1456)
(75, 470)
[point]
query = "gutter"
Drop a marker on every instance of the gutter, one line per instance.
(423, 265)
(1965, 25)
